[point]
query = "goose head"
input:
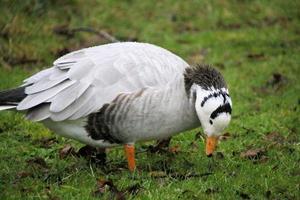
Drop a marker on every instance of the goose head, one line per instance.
(208, 91)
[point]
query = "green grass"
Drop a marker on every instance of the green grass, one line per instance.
(248, 41)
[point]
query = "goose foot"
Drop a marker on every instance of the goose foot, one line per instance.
(161, 146)
(130, 155)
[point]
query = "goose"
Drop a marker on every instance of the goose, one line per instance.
(122, 93)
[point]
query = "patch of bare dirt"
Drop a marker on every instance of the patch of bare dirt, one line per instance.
(257, 155)
(273, 84)
(37, 162)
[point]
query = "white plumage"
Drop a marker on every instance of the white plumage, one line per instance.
(81, 82)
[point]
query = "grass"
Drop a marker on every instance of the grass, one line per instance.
(256, 46)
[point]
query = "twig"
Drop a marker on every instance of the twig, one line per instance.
(100, 33)
(183, 176)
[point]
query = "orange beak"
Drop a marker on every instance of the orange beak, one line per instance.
(211, 144)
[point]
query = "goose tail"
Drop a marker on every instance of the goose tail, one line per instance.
(9, 99)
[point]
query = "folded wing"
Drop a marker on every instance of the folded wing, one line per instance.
(80, 82)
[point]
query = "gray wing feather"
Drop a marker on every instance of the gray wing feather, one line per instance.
(75, 107)
(83, 67)
(70, 57)
(66, 97)
(39, 112)
(56, 74)
(38, 76)
(44, 84)
(38, 98)
(86, 109)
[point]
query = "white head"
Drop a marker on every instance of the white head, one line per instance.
(213, 108)
(207, 88)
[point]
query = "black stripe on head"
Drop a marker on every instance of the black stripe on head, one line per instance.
(215, 94)
(225, 108)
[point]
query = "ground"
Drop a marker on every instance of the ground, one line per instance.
(255, 44)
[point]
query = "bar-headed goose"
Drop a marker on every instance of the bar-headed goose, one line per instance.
(122, 93)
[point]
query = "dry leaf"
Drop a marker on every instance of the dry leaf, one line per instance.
(225, 136)
(104, 186)
(253, 153)
(195, 146)
(199, 135)
(157, 174)
(37, 161)
(47, 142)
(274, 137)
(66, 151)
(23, 174)
(256, 56)
(262, 159)
(175, 149)
(92, 154)
(160, 147)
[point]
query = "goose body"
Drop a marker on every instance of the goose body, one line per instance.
(122, 93)
(148, 115)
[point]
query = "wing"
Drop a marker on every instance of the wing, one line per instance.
(80, 82)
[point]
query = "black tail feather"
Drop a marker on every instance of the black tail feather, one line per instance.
(13, 96)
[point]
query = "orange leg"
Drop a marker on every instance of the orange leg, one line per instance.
(129, 152)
